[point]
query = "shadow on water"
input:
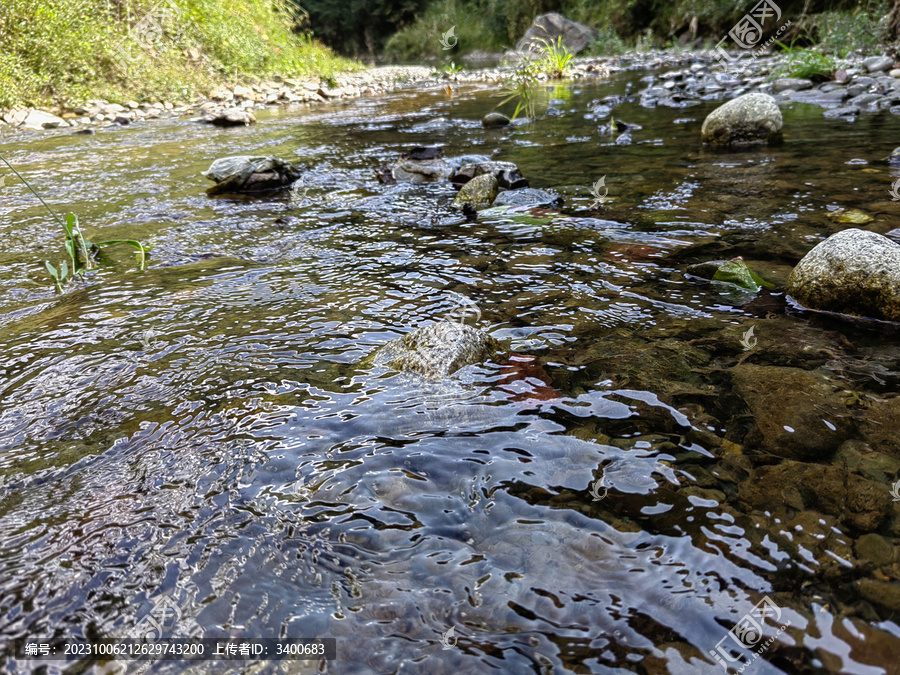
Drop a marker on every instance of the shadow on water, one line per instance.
(204, 436)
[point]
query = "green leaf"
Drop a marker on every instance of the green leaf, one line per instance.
(53, 272)
(63, 270)
(141, 249)
(736, 272)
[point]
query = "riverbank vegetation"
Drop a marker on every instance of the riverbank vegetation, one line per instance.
(491, 26)
(74, 50)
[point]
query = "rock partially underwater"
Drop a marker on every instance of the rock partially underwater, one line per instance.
(751, 119)
(437, 350)
(852, 272)
(250, 174)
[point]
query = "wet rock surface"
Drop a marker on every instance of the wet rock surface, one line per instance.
(480, 192)
(798, 415)
(751, 119)
(506, 173)
(437, 350)
(494, 120)
(251, 174)
(852, 272)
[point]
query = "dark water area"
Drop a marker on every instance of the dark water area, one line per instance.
(203, 443)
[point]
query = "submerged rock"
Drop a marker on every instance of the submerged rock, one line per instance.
(506, 173)
(858, 502)
(250, 174)
(750, 119)
(852, 272)
(799, 415)
(437, 350)
(479, 192)
(494, 119)
(526, 197)
(547, 28)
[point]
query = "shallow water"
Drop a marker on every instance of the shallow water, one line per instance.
(202, 437)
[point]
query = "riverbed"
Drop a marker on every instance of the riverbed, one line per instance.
(203, 443)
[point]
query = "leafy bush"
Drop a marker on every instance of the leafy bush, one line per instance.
(607, 43)
(423, 38)
(841, 33)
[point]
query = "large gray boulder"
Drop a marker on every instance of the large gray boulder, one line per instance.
(852, 272)
(250, 174)
(547, 28)
(437, 350)
(751, 119)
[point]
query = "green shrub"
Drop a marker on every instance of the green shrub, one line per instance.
(607, 43)
(841, 33)
(422, 39)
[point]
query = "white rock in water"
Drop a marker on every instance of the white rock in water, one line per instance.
(852, 272)
(746, 120)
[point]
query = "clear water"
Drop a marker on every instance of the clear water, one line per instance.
(203, 434)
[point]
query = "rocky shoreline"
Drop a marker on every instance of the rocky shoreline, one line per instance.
(688, 78)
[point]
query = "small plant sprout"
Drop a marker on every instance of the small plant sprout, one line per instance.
(81, 251)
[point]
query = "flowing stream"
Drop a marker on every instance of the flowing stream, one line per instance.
(205, 436)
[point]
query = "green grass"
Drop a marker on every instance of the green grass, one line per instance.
(82, 253)
(520, 87)
(805, 63)
(556, 59)
(69, 51)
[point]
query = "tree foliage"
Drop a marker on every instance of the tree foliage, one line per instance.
(359, 27)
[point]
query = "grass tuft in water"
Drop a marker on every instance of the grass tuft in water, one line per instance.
(81, 251)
